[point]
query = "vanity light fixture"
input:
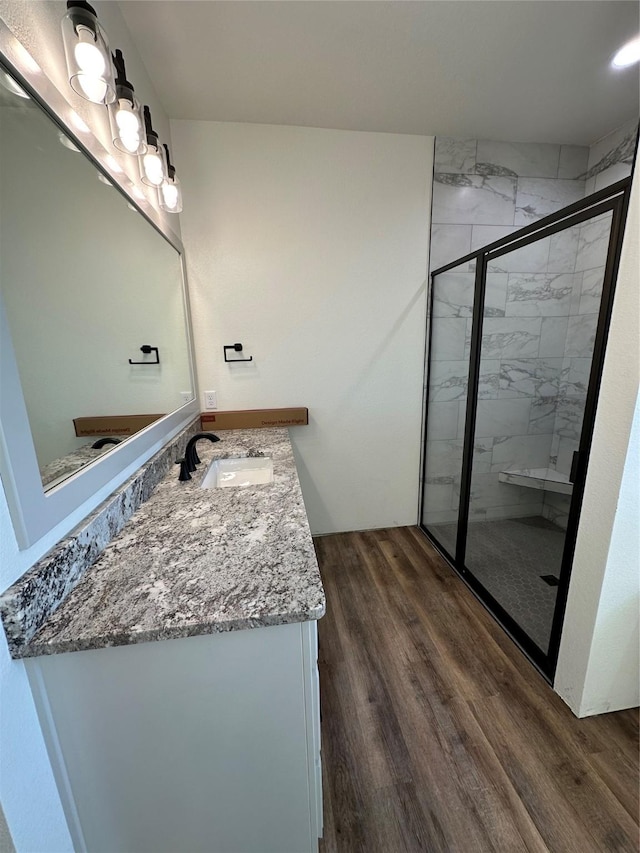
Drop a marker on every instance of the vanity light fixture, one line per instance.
(113, 164)
(87, 53)
(79, 123)
(125, 115)
(170, 193)
(628, 54)
(152, 166)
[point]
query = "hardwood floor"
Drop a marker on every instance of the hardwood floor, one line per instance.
(438, 735)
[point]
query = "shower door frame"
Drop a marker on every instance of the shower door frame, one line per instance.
(614, 199)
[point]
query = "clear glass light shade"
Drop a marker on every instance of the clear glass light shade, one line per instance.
(170, 195)
(88, 57)
(152, 166)
(127, 126)
(628, 54)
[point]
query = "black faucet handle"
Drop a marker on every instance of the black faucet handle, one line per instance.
(191, 453)
(184, 469)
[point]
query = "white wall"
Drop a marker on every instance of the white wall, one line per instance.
(310, 247)
(598, 663)
(27, 790)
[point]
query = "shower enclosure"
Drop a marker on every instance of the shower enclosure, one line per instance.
(517, 334)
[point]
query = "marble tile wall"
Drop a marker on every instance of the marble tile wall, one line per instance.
(539, 320)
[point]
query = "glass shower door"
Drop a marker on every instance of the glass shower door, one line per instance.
(451, 309)
(535, 363)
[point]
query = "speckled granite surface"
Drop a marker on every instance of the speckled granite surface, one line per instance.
(198, 561)
(64, 467)
(26, 604)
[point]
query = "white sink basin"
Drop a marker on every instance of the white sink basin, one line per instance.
(238, 471)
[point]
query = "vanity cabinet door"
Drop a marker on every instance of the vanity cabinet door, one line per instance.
(209, 743)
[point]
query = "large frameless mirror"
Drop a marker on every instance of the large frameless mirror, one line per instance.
(96, 346)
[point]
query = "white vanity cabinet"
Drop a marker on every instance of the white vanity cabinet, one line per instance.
(209, 743)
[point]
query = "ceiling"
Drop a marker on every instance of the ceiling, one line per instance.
(522, 70)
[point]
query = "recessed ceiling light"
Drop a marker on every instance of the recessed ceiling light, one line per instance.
(628, 54)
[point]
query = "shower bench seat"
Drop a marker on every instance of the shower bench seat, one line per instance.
(538, 478)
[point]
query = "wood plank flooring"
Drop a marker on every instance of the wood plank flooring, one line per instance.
(438, 735)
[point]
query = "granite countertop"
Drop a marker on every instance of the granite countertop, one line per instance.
(58, 470)
(198, 561)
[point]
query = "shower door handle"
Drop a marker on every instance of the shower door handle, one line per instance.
(574, 466)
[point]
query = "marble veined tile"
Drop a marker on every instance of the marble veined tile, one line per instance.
(574, 377)
(569, 417)
(453, 294)
(538, 197)
(487, 491)
(563, 250)
(573, 161)
(531, 258)
(517, 159)
(581, 335)
(553, 337)
(473, 199)
(438, 495)
(448, 338)
(482, 454)
(482, 235)
(489, 379)
(591, 291)
(443, 457)
(442, 420)
(448, 380)
(521, 451)
(502, 417)
(448, 243)
(511, 337)
(566, 448)
(495, 294)
(539, 294)
(593, 243)
(617, 147)
(611, 175)
(455, 155)
(530, 377)
(542, 415)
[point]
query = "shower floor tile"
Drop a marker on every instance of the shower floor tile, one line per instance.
(509, 557)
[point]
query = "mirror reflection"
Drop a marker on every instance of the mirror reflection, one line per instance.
(94, 296)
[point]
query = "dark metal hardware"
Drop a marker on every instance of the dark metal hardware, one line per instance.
(191, 454)
(147, 350)
(184, 470)
(235, 348)
(575, 460)
(100, 443)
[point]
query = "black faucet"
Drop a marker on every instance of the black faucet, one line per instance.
(191, 458)
(191, 454)
(100, 443)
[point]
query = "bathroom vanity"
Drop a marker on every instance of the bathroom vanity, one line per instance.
(177, 683)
